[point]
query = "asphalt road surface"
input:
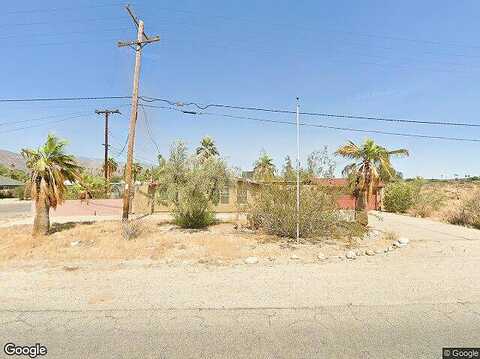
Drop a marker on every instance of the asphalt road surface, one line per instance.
(404, 304)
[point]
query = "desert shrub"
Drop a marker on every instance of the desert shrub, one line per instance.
(191, 186)
(468, 213)
(131, 229)
(426, 203)
(400, 196)
(20, 192)
(274, 211)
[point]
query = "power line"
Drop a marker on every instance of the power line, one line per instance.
(401, 134)
(317, 114)
(48, 99)
(43, 10)
(14, 122)
(41, 124)
(148, 128)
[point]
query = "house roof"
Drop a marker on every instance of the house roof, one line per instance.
(6, 181)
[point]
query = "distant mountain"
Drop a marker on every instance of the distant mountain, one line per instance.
(12, 159)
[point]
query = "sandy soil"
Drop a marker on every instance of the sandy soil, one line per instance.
(160, 241)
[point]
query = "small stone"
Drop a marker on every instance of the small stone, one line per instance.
(378, 251)
(350, 255)
(403, 241)
(321, 256)
(359, 253)
(271, 259)
(169, 261)
(370, 252)
(294, 257)
(203, 260)
(251, 260)
(75, 243)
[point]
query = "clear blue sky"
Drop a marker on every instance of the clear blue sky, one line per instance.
(405, 59)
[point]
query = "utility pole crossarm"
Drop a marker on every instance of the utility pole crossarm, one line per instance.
(141, 43)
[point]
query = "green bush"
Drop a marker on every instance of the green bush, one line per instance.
(468, 213)
(274, 211)
(400, 196)
(191, 186)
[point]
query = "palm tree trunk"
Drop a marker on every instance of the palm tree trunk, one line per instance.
(41, 223)
(361, 214)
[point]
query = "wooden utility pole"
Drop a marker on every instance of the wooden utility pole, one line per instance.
(105, 168)
(137, 45)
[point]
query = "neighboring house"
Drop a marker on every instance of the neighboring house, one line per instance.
(236, 196)
(7, 183)
(8, 187)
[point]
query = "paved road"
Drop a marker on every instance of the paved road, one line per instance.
(13, 208)
(405, 304)
(397, 332)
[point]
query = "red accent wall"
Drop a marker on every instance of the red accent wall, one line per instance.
(348, 202)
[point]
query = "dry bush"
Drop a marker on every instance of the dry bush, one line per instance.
(467, 213)
(131, 229)
(426, 203)
(274, 211)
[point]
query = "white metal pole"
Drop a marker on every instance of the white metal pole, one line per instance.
(298, 170)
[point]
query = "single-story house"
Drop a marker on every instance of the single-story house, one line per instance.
(9, 183)
(239, 193)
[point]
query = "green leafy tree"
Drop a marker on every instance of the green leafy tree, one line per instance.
(369, 160)
(192, 185)
(288, 172)
(50, 167)
(207, 148)
(264, 168)
(110, 167)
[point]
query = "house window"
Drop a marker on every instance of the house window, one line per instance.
(225, 195)
(241, 194)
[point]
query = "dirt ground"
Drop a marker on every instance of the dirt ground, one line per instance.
(160, 241)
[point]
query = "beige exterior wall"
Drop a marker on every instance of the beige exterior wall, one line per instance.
(229, 200)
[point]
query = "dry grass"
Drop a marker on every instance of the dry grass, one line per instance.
(219, 244)
(453, 192)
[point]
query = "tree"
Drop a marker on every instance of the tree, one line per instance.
(264, 168)
(192, 185)
(50, 167)
(136, 170)
(370, 160)
(288, 171)
(207, 148)
(110, 167)
(320, 164)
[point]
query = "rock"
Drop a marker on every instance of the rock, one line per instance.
(359, 253)
(321, 256)
(378, 251)
(370, 252)
(403, 241)
(75, 243)
(70, 268)
(251, 260)
(169, 261)
(294, 257)
(203, 260)
(350, 255)
(271, 259)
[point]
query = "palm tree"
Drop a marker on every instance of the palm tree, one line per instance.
(110, 167)
(136, 170)
(50, 167)
(264, 168)
(370, 161)
(207, 148)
